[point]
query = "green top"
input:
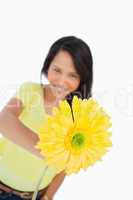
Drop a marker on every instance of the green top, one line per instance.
(19, 168)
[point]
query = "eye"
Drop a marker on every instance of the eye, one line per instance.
(74, 76)
(56, 70)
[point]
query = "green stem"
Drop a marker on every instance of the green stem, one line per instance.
(38, 184)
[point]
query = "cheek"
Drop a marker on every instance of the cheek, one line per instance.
(51, 76)
(73, 85)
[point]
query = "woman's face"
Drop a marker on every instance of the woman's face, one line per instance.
(62, 75)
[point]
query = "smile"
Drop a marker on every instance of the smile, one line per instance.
(60, 89)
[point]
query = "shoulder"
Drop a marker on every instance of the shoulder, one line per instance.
(29, 86)
(26, 91)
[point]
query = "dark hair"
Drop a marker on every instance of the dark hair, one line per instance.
(82, 59)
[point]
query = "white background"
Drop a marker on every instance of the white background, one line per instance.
(27, 30)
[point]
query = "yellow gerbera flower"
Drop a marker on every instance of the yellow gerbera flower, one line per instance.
(74, 142)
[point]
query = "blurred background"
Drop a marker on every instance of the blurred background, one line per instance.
(27, 30)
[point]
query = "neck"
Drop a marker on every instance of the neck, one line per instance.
(49, 97)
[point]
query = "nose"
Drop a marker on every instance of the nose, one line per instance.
(62, 81)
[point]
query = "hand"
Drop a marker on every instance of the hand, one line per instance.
(45, 197)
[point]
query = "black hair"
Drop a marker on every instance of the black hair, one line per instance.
(83, 62)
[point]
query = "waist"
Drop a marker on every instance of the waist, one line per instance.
(24, 181)
(22, 194)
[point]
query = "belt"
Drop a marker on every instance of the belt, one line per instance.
(23, 195)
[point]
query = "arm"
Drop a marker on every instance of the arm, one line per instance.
(13, 129)
(54, 186)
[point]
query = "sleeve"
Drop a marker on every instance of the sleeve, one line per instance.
(24, 93)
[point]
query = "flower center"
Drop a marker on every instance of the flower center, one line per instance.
(78, 140)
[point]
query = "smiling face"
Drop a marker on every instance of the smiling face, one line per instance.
(62, 75)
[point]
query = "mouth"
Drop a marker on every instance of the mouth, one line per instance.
(59, 90)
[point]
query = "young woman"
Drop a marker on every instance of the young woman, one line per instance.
(68, 68)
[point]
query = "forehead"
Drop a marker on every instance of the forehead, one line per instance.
(64, 60)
